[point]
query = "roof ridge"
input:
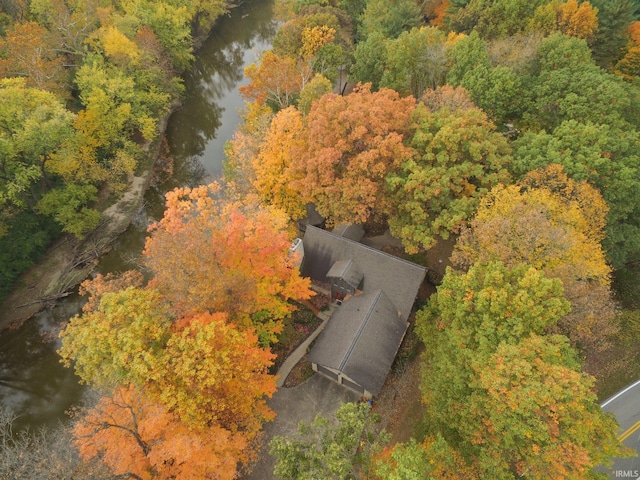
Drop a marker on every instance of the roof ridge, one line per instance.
(347, 356)
(380, 252)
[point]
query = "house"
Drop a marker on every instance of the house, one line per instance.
(376, 291)
(360, 342)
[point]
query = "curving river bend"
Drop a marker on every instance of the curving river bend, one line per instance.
(33, 384)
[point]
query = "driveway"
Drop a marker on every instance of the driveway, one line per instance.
(302, 403)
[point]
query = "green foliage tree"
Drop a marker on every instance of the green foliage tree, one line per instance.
(497, 90)
(170, 22)
(69, 206)
(458, 158)
(511, 401)
(312, 91)
(533, 413)
(415, 61)
(23, 243)
(614, 18)
(370, 60)
(493, 18)
(327, 448)
(568, 85)
(389, 18)
(466, 320)
(204, 13)
(607, 157)
(34, 127)
(467, 54)
(430, 460)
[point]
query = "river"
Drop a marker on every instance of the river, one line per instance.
(33, 383)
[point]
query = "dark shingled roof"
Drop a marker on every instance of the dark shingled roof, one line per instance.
(346, 270)
(349, 230)
(397, 278)
(312, 218)
(362, 339)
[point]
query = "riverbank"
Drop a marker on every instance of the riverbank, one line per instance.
(69, 261)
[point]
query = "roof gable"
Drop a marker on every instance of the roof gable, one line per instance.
(348, 271)
(397, 278)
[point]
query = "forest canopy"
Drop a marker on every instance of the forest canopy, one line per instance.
(508, 127)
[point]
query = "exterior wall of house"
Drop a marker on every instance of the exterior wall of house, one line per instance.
(341, 379)
(340, 289)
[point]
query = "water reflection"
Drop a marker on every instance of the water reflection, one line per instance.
(210, 114)
(33, 383)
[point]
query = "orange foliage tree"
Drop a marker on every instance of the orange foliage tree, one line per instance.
(351, 143)
(26, 52)
(276, 80)
(111, 282)
(629, 65)
(204, 373)
(210, 254)
(139, 438)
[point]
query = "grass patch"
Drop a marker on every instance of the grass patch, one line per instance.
(302, 372)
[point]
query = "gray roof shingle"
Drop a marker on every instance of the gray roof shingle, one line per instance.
(397, 278)
(349, 230)
(362, 339)
(346, 270)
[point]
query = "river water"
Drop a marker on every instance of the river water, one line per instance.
(33, 384)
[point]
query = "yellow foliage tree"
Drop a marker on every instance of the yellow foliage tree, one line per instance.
(577, 20)
(118, 46)
(629, 66)
(272, 164)
(554, 224)
(242, 149)
(570, 18)
(314, 38)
